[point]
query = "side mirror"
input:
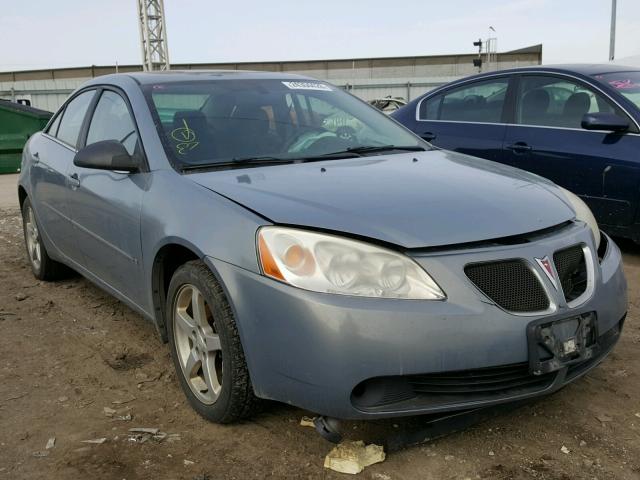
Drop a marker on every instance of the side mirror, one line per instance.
(605, 121)
(106, 155)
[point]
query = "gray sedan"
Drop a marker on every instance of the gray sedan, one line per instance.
(361, 276)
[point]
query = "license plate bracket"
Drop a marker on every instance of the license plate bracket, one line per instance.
(556, 344)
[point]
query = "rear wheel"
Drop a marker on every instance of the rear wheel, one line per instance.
(205, 346)
(42, 266)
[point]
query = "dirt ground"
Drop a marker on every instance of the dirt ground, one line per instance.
(68, 350)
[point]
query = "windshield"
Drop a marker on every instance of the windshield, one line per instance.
(207, 122)
(626, 83)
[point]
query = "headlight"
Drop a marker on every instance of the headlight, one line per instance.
(583, 213)
(331, 264)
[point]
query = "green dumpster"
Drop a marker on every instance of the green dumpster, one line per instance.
(17, 124)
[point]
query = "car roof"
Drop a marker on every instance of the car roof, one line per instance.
(586, 69)
(169, 76)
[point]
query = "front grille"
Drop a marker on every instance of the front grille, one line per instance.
(482, 382)
(572, 271)
(509, 283)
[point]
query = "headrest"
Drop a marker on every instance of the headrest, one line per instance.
(577, 104)
(193, 118)
(536, 101)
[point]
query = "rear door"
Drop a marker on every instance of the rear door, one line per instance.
(468, 119)
(53, 154)
(105, 205)
(547, 138)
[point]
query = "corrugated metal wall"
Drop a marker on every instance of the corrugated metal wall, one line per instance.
(406, 77)
(44, 94)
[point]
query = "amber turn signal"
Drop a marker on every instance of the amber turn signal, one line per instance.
(269, 266)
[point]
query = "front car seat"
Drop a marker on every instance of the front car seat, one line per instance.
(575, 108)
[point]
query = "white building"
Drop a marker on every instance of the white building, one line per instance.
(369, 78)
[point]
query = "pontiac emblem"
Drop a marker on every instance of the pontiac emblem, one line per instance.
(547, 268)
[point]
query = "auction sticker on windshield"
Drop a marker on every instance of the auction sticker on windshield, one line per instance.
(307, 86)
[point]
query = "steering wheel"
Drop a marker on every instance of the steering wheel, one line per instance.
(292, 141)
(346, 133)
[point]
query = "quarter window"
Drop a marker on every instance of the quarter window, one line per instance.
(476, 102)
(72, 118)
(53, 129)
(556, 102)
(112, 121)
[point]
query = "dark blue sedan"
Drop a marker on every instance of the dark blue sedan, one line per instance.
(576, 125)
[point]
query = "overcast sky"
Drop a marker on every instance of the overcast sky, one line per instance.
(63, 33)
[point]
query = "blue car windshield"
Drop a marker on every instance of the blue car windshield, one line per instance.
(626, 83)
(205, 122)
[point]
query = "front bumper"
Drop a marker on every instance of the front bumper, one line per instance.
(312, 350)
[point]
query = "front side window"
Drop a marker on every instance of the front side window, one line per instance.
(216, 121)
(557, 102)
(112, 121)
(626, 83)
(481, 101)
(72, 118)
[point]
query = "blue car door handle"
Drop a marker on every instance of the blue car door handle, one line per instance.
(74, 180)
(519, 147)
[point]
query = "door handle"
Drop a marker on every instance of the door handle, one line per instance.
(429, 136)
(519, 147)
(74, 180)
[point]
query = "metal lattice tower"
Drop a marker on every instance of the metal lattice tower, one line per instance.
(153, 35)
(491, 51)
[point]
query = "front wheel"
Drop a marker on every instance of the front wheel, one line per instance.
(205, 346)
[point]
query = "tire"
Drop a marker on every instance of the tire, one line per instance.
(42, 266)
(205, 346)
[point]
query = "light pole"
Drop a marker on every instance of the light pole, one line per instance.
(612, 39)
(477, 62)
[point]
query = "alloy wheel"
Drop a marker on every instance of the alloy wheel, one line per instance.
(197, 344)
(33, 239)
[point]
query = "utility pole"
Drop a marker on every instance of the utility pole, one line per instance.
(612, 39)
(153, 35)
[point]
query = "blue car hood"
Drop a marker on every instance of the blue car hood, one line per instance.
(440, 198)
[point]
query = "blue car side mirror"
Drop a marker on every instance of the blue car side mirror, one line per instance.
(605, 121)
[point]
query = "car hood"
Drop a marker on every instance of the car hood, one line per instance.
(413, 200)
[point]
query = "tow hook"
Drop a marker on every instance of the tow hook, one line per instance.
(328, 428)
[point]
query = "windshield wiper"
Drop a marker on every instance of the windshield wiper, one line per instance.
(355, 152)
(385, 148)
(239, 162)
(351, 152)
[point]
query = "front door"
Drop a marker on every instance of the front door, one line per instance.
(547, 138)
(105, 205)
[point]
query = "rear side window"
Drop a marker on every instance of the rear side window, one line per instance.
(72, 118)
(475, 102)
(112, 121)
(558, 102)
